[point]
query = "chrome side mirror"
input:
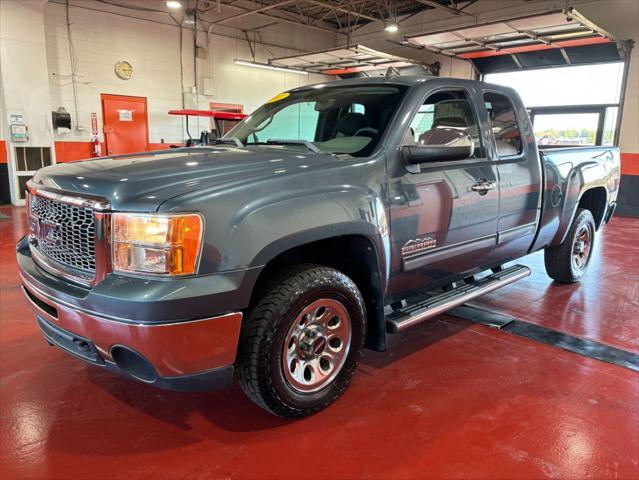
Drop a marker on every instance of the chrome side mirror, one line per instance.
(440, 145)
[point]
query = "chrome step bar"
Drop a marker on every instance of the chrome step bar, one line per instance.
(403, 318)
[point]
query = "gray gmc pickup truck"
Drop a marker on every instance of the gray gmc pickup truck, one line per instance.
(276, 255)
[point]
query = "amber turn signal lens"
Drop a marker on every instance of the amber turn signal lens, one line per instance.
(166, 244)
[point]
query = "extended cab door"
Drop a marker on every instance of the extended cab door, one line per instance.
(513, 148)
(443, 213)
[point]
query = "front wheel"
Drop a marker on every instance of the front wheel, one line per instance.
(567, 262)
(300, 345)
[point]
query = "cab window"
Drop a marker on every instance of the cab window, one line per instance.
(503, 122)
(445, 109)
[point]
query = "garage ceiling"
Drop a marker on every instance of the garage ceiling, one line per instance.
(552, 39)
(342, 61)
(336, 15)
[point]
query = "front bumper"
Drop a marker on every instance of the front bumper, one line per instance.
(196, 354)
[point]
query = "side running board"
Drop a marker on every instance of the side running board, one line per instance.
(413, 314)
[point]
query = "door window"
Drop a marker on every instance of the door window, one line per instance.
(503, 122)
(447, 109)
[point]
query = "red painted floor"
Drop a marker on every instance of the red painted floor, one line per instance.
(603, 307)
(450, 399)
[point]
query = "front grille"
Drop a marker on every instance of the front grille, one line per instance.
(64, 233)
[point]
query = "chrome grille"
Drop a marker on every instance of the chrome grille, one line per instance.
(63, 232)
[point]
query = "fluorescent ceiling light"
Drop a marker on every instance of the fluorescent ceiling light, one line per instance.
(269, 67)
(391, 28)
(173, 4)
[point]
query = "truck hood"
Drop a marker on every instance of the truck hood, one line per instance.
(142, 182)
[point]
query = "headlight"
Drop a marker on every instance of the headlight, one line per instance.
(167, 244)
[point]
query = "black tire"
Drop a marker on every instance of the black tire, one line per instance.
(560, 261)
(261, 354)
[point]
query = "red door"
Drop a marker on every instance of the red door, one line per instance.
(126, 128)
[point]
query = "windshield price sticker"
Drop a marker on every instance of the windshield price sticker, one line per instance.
(278, 97)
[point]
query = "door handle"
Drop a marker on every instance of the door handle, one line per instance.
(482, 186)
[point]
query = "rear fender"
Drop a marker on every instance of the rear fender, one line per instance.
(584, 179)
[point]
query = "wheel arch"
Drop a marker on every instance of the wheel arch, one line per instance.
(357, 255)
(594, 199)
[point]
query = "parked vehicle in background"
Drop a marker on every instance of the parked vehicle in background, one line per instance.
(276, 257)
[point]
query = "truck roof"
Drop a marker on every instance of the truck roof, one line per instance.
(408, 80)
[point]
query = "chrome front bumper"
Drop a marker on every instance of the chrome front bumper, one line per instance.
(186, 355)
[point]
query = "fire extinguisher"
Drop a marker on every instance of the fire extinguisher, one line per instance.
(96, 148)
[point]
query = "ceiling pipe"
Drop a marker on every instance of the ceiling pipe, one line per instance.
(343, 10)
(252, 12)
(298, 23)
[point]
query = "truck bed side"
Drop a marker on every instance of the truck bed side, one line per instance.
(572, 176)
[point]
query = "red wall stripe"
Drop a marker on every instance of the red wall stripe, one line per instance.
(71, 151)
(3, 152)
(630, 163)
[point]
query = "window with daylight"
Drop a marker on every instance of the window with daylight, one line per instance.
(569, 106)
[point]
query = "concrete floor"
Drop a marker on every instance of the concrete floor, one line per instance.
(450, 399)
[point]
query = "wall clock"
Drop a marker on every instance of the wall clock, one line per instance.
(123, 70)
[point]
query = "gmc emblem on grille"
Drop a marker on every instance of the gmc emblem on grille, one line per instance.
(44, 231)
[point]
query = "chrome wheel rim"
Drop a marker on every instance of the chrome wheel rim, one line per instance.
(582, 246)
(316, 345)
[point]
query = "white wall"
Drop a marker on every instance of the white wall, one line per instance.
(22, 57)
(621, 18)
(101, 39)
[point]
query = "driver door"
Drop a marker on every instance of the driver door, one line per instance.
(443, 213)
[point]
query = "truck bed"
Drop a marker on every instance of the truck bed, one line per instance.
(567, 173)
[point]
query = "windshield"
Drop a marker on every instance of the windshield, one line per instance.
(340, 119)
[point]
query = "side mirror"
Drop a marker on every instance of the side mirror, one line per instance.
(439, 145)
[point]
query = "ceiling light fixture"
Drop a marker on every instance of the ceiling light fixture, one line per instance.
(173, 4)
(189, 18)
(391, 27)
(268, 67)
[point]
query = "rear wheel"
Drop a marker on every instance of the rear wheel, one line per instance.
(300, 345)
(568, 261)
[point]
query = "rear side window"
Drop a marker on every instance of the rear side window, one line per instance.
(504, 124)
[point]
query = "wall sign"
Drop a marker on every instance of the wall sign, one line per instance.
(94, 123)
(125, 115)
(18, 131)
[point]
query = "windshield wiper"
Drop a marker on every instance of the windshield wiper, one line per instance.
(234, 140)
(310, 145)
